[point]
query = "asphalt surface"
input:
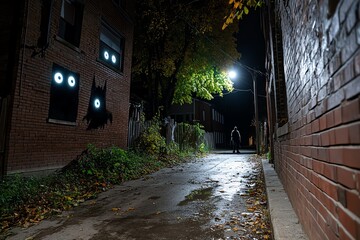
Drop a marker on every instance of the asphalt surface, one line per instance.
(187, 201)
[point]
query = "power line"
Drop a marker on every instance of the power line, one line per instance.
(239, 90)
(236, 90)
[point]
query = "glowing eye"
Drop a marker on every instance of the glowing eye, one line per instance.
(106, 55)
(71, 81)
(58, 77)
(97, 103)
(113, 59)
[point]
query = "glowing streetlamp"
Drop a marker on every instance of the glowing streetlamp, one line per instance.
(232, 74)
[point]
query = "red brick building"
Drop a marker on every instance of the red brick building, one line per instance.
(313, 61)
(65, 80)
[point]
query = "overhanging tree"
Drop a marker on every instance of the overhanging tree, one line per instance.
(180, 50)
(239, 8)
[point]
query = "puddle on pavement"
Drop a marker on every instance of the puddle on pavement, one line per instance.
(201, 194)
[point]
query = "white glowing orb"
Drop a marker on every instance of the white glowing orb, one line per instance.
(113, 59)
(71, 81)
(58, 77)
(232, 74)
(106, 55)
(97, 103)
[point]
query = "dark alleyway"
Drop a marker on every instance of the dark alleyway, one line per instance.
(204, 199)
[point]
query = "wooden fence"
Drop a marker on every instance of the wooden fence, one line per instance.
(135, 129)
(182, 135)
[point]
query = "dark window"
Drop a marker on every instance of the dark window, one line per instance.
(46, 10)
(64, 94)
(111, 48)
(70, 21)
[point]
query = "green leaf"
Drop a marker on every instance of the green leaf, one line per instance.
(246, 10)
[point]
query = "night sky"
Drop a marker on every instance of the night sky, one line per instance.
(238, 107)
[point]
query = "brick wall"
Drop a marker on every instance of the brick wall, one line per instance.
(34, 143)
(317, 153)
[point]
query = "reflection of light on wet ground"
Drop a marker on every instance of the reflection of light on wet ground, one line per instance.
(231, 183)
(201, 194)
(228, 190)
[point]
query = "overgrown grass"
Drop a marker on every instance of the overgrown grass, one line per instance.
(27, 200)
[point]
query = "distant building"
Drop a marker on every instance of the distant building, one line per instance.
(204, 113)
(313, 89)
(64, 80)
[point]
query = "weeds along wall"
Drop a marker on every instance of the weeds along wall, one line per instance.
(49, 125)
(316, 152)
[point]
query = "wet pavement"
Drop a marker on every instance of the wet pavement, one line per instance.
(201, 199)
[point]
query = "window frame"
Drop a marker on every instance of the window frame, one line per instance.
(71, 33)
(68, 117)
(111, 37)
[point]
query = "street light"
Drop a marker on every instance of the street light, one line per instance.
(253, 75)
(232, 75)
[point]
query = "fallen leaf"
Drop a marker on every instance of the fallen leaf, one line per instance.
(250, 209)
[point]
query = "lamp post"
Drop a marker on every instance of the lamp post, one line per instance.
(253, 75)
(232, 74)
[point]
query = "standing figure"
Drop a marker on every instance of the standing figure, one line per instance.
(235, 139)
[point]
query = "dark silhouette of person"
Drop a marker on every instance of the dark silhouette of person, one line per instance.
(235, 139)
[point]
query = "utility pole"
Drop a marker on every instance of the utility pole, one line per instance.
(253, 74)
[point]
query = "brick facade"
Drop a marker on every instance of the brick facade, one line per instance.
(317, 151)
(33, 142)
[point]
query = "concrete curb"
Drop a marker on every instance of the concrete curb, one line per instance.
(284, 220)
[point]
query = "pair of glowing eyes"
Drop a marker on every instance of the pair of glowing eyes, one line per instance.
(107, 56)
(59, 78)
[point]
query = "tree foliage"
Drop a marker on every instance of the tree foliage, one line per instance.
(180, 50)
(239, 8)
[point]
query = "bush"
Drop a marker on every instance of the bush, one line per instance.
(101, 164)
(190, 137)
(112, 165)
(150, 140)
(17, 189)
(172, 148)
(268, 155)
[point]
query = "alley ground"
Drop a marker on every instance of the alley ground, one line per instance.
(202, 199)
